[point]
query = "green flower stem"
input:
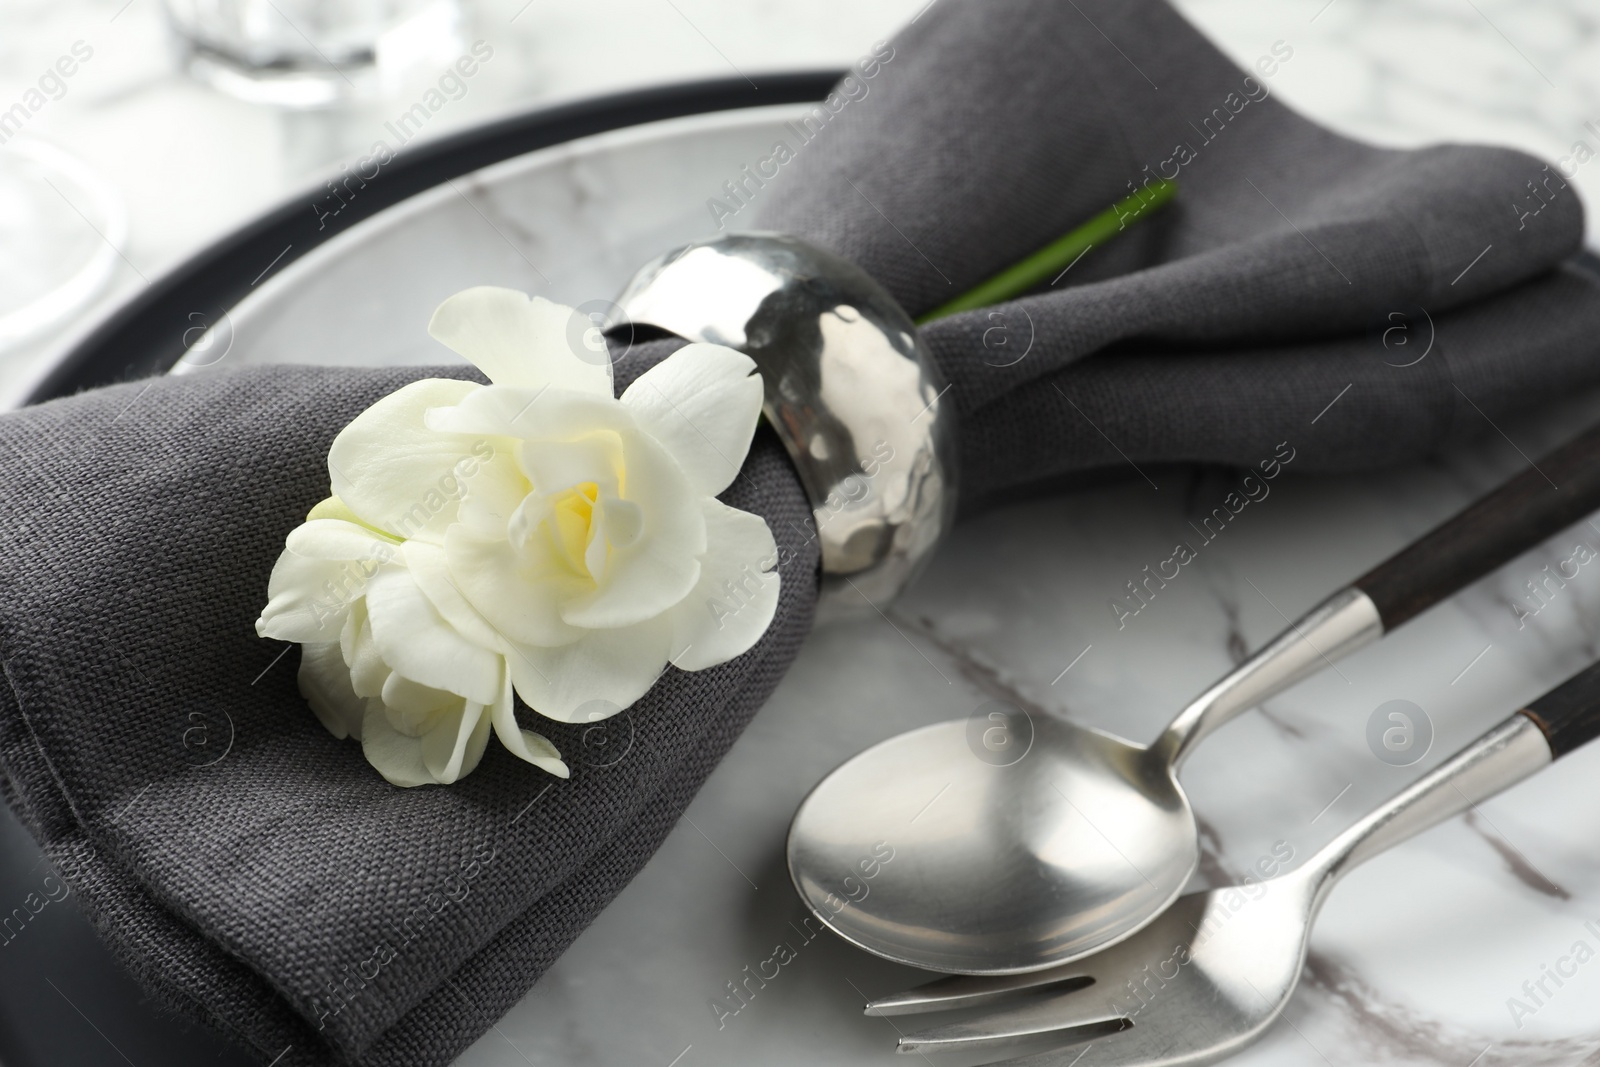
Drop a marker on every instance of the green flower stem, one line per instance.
(1058, 254)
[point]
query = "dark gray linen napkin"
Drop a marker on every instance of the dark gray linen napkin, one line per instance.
(1293, 263)
(255, 873)
(250, 870)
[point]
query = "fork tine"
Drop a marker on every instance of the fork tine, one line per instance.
(966, 991)
(1065, 1019)
(1136, 1045)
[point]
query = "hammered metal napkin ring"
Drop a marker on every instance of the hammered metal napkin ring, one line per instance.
(850, 388)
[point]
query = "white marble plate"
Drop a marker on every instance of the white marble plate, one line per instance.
(1416, 955)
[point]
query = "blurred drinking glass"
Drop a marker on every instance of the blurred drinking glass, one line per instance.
(310, 53)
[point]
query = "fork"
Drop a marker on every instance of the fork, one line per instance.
(1213, 972)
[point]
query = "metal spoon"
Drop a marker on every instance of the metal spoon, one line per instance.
(1032, 843)
(1213, 973)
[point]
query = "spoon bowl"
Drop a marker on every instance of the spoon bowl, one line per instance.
(999, 846)
(1006, 843)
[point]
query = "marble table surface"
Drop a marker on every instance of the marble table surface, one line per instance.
(1417, 953)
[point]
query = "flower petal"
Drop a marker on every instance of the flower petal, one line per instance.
(414, 709)
(454, 747)
(663, 563)
(396, 474)
(518, 340)
(734, 601)
(493, 495)
(334, 508)
(518, 593)
(525, 744)
(618, 666)
(368, 672)
(322, 571)
(547, 414)
(415, 641)
(308, 599)
(622, 521)
(552, 466)
(338, 539)
(430, 569)
(598, 549)
(702, 403)
(397, 757)
(325, 683)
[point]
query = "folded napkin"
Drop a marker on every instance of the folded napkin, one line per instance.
(1292, 263)
(256, 873)
(251, 870)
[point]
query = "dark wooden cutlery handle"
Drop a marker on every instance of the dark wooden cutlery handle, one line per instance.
(1569, 714)
(1552, 494)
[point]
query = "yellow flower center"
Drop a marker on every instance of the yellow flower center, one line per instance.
(572, 523)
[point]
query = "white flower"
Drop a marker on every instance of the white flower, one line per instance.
(537, 534)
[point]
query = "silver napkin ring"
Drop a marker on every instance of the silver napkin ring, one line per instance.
(850, 388)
